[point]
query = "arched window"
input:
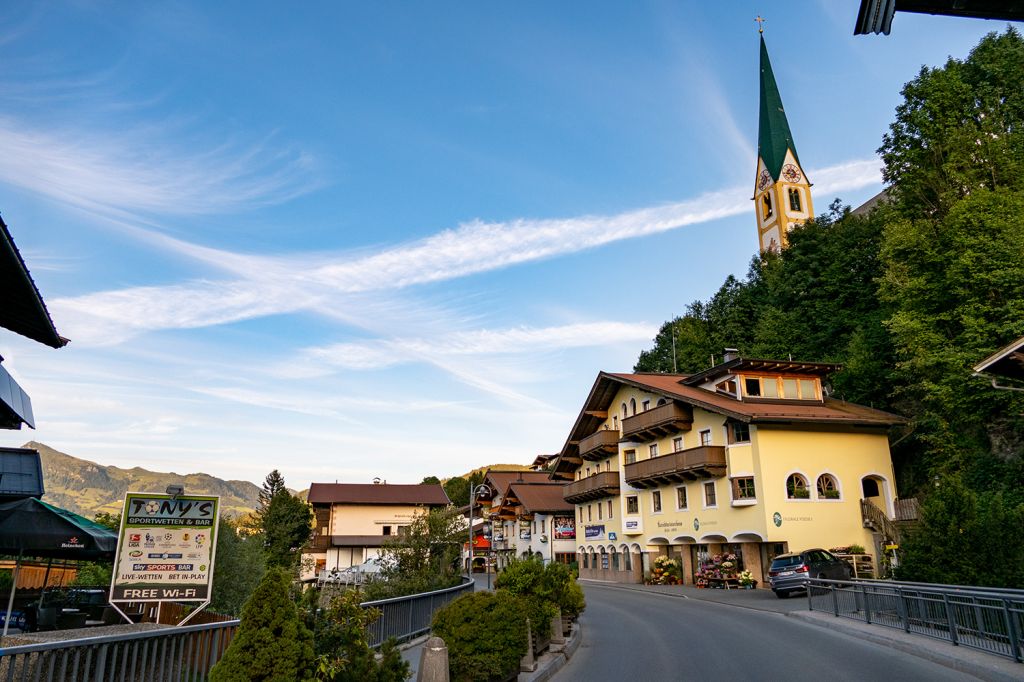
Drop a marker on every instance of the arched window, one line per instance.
(624, 412)
(796, 487)
(661, 401)
(632, 405)
(767, 201)
(615, 559)
(627, 559)
(586, 563)
(794, 199)
(869, 487)
(615, 422)
(828, 487)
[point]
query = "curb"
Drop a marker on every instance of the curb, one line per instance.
(982, 665)
(550, 663)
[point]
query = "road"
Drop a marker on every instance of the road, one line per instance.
(647, 637)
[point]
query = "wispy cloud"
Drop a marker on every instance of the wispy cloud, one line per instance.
(324, 282)
(518, 340)
(138, 170)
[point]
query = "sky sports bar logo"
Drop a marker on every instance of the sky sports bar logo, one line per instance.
(162, 567)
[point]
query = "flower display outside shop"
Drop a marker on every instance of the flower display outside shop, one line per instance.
(746, 579)
(666, 571)
(719, 567)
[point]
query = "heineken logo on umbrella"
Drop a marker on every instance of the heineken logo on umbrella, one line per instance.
(73, 543)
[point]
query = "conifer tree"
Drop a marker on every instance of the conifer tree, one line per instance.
(271, 644)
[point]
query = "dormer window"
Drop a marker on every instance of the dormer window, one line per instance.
(789, 388)
(727, 386)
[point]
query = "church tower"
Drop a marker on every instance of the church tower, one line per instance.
(782, 194)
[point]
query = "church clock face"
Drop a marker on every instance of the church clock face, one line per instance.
(791, 173)
(764, 180)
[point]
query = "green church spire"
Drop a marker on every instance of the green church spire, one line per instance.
(773, 136)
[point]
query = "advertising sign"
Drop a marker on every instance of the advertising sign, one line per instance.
(165, 550)
(565, 528)
(593, 532)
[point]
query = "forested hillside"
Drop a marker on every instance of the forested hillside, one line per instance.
(910, 296)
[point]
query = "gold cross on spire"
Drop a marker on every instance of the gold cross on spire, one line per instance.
(760, 23)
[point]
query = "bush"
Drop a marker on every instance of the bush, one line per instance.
(563, 589)
(554, 584)
(342, 650)
(485, 633)
(271, 642)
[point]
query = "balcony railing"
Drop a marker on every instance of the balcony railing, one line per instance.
(592, 487)
(705, 461)
(658, 422)
(600, 444)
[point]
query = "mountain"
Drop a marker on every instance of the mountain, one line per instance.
(86, 487)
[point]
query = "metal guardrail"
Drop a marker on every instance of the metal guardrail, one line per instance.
(406, 617)
(980, 618)
(183, 654)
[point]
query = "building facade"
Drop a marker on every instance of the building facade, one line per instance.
(535, 520)
(353, 520)
(749, 459)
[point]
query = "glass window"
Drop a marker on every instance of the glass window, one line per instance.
(610, 514)
(789, 389)
(680, 498)
(632, 505)
(646, 405)
(796, 487)
(766, 200)
(770, 387)
(661, 401)
(590, 513)
(743, 488)
(654, 450)
(677, 444)
(794, 199)
(710, 498)
(705, 437)
(615, 559)
(630, 456)
(656, 500)
(600, 512)
(627, 560)
(632, 406)
(828, 487)
(740, 432)
(624, 412)
(752, 387)
(808, 389)
(615, 422)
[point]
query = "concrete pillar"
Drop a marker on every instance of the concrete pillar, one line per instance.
(528, 664)
(556, 628)
(433, 661)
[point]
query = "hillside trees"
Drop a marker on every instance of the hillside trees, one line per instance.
(240, 565)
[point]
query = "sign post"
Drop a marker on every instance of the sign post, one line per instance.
(165, 550)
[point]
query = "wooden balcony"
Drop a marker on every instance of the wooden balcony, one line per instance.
(319, 543)
(592, 487)
(705, 461)
(599, 445)
(658, 422)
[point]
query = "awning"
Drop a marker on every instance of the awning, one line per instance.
(15, 405)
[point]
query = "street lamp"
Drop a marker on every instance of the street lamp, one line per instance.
(480, 489)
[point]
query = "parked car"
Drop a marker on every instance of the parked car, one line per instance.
(790, 572)
(353, 575)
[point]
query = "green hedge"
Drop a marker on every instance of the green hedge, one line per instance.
(486, 635)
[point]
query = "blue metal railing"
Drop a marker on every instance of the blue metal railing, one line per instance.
(406, 617)
(991, 620)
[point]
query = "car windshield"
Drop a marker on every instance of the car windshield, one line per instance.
(786, 561)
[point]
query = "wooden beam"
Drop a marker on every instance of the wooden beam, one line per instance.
(600, 414)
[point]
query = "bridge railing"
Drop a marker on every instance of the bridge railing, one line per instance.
(407, 617)
(991, 620)
(164, 655)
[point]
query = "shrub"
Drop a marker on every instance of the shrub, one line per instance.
(554, 584)
(271, 642)
(485, 633)
(563, 589)
(342, 650)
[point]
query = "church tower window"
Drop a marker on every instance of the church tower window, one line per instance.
(794, 199)
(767, 200)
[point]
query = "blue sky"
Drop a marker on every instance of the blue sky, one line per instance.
(347, 240)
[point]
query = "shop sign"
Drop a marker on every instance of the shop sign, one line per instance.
(524, 533)
(777, 519)
(565, 528)
(632, 524)
(593, 532)
(166, 548)
(696, 524)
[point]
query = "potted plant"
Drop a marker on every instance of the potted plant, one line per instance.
(746, 579)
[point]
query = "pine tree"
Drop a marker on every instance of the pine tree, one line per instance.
(271, 644)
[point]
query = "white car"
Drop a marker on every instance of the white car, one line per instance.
(353, 575)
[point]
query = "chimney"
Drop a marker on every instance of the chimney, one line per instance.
(730, 354)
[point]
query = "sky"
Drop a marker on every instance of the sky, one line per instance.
(359, 240)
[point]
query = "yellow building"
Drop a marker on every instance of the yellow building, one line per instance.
(352, 520)
(782, 193)
(750, 457)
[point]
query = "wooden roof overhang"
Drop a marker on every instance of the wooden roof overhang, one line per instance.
(22, 309)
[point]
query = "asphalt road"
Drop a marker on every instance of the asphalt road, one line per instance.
(647, 637)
